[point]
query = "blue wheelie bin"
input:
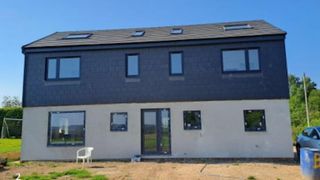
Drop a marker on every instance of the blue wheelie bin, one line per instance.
(310, 163)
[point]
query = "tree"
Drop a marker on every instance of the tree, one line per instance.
(9, 101)
(297, 103)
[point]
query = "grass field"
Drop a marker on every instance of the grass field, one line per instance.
(10, 148)
(10, 145)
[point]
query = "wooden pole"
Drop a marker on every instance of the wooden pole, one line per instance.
(306, 99)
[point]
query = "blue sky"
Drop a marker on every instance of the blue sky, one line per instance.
(24, 21)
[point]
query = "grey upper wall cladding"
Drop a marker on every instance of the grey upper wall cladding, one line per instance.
(103, 77)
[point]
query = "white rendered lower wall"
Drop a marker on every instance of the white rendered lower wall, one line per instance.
(222, 133)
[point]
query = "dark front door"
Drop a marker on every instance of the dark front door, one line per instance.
(155, 131)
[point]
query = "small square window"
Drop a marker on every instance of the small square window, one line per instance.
(175, 31)
(78, 36)
(237, 27)
(254, 120)
(119, 121)
(192, 120)
(137, 33)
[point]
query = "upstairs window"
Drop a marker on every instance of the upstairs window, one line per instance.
(132, 65)
(63, 68)
(176, 63)
(137, 33)
(119, 121)
(176, 31)
(78, 36)
(254, 120)
(240, 60)
(236, 27)
(192, 120)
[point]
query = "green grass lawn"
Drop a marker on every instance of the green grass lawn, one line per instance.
(10, 145)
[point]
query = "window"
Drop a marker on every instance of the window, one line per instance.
(63, 68)
(52, 69)
(192, 120)
(240, 60)
(176, 31)
(66, 128)
(132, 65)
(176, 63)
(137, 33)
(118, 121)
(234, 60)
(237, 27)
(254, 120)
(253, 59)
(78, 36)
(314, 134)
(307, 132)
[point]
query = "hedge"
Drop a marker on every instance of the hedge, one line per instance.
(12, 112)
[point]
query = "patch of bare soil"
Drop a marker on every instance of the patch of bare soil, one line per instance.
(10, 155)
(229, 169)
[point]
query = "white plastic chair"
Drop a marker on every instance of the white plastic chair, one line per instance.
(84, 154)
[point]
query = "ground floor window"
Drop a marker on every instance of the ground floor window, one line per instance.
(66, 128)
(192, 120)
(119, 121)
(254, 120)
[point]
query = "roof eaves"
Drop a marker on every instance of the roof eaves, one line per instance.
(25, 46)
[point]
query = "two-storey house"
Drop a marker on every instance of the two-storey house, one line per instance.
(211, 90)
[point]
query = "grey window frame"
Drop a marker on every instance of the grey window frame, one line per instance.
(66, 145)
(111, 120)
(182, 63)
(264, 126)
(58, 69)
(127, 59)
(185, 127)
(138, 33)
(247, 61)
(232, 27)
(174, 31)
(69, 36)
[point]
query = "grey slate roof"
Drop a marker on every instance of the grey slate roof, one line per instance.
(158, 34)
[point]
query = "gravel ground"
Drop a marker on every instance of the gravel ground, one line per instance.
(171, 169)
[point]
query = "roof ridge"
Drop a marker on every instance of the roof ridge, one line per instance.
(166, 26)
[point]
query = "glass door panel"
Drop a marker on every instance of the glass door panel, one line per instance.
(156, 131)
(150, 131)
(165, 131)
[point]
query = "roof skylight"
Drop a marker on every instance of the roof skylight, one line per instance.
(138, 33)
(78, 36)
(236, 27)
(175, 31)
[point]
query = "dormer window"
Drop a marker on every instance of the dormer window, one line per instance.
(176, 31)
(236, 27)
(78, 36)
(137, 33)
